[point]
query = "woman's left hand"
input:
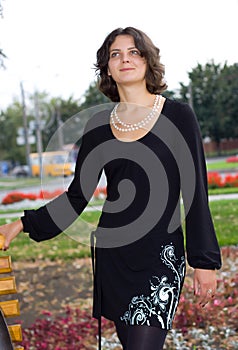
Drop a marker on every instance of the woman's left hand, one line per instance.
(205, 284)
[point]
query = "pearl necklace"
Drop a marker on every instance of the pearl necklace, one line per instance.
(131, 127)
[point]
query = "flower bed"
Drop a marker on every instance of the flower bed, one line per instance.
(215, 180)
(14, 197)
(232, 159)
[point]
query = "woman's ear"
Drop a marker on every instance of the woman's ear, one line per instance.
(108, 72)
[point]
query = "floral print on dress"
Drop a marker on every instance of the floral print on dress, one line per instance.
(164, 297)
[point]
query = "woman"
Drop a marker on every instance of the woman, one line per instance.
(151, 150)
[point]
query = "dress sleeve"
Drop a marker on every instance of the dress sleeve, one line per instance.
(201, 242)
(53, 218)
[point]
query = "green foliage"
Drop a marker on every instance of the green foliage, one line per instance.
(60, 111)
(93, 97)
(171, 94)
(11, 120)
(1, 8)
(214, 90)
(213, 93)
(2, 55)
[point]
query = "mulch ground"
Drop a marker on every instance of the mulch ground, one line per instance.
(53, 285)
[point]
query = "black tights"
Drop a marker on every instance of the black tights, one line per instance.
(141, 337)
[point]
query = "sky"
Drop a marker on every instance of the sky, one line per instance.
(51, 44)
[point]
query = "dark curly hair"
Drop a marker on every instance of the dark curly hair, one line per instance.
(154, 76)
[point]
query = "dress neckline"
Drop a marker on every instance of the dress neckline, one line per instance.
(144, 136)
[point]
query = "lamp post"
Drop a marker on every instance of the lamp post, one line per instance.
(38, 131)
(25, 127)
(59, 125)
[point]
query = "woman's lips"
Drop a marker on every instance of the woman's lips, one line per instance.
(126, 69)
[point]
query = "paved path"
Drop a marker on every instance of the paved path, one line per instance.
(218, 197)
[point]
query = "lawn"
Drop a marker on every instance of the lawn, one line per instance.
(72, 244)
(7, 183)
(222, 165)
(67, 246)
(222, 190)
(225, 217)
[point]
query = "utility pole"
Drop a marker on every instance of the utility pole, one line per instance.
(25, 127)
(38, 132)
(190, 92)
(59, 125)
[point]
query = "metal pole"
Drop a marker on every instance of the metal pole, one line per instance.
(27, 144)
(190, 91)
(59, 126)
(38, 132)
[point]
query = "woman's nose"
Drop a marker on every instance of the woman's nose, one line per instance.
(125, 58)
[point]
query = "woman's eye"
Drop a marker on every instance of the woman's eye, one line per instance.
(114, 54)
(135, 52)
(131, 53)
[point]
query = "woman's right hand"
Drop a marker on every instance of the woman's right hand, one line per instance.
(9, 232)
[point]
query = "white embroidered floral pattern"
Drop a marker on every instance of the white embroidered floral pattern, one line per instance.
(164, 297)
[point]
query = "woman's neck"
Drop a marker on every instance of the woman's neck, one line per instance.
(139, 96)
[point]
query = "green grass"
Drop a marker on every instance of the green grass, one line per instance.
(224, 153)
(75, 241)
(225, 190)
(8, 183)
(222, 165)
(225, 218)
(14, 184)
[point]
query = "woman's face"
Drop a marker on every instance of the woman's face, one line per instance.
(125, 65)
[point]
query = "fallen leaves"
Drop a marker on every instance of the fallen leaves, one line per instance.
(56, 302)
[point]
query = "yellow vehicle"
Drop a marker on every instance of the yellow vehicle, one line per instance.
(58, 163)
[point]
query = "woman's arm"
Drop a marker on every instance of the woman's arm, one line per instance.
(203, 252)
(53, 218)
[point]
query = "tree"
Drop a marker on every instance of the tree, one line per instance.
(213, 95)
(2, 54)
(228, 99)
(58, 111)
(2, 57)
(11, 120)
(54, 112)
(93, 97)
(62, 111)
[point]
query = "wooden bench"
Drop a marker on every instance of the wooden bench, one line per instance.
(10, 334)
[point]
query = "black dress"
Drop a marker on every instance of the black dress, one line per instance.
(139, 243)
